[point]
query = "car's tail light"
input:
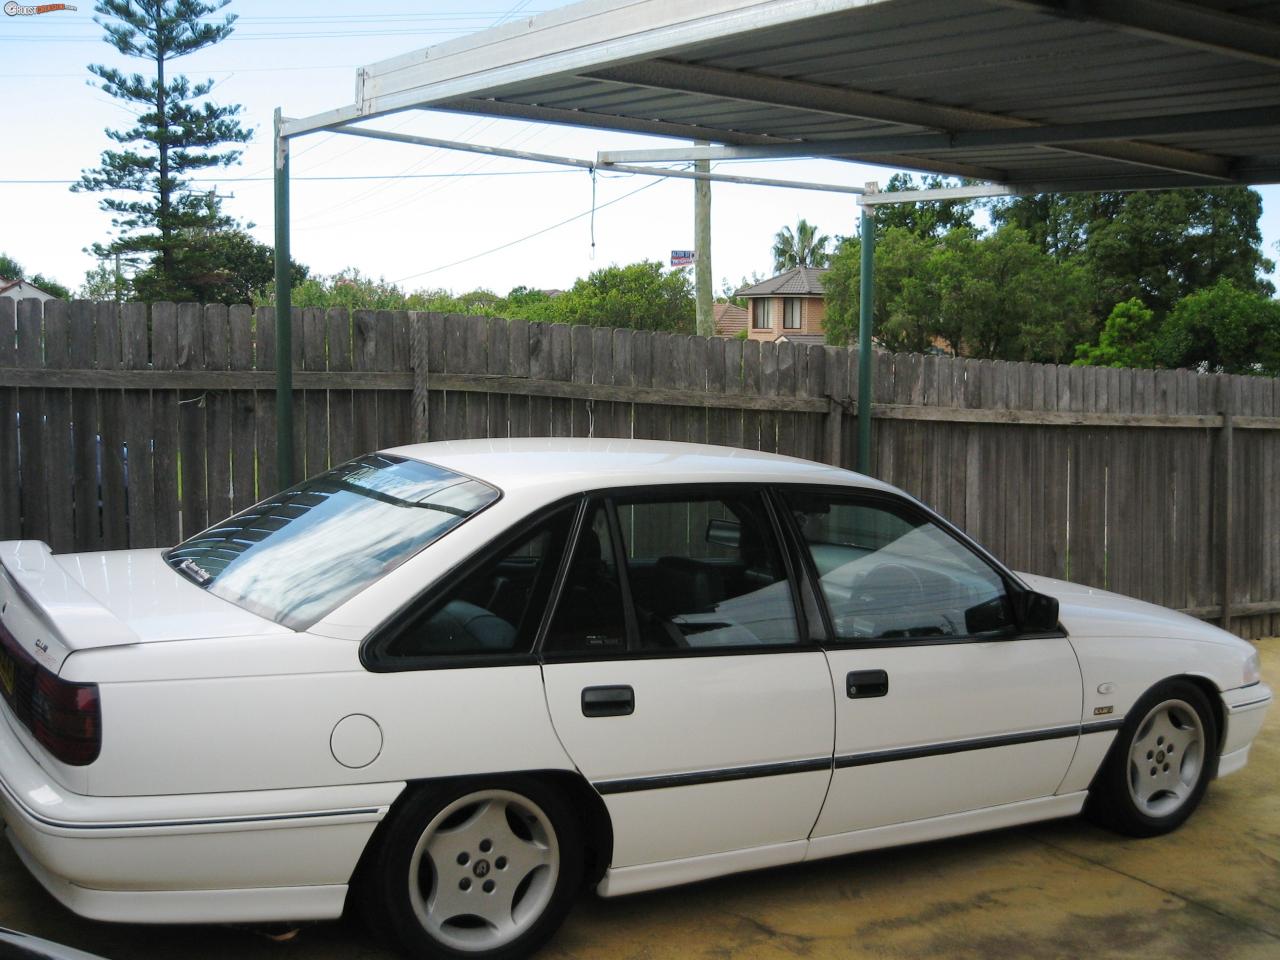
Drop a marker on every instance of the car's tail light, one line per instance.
(66, 718)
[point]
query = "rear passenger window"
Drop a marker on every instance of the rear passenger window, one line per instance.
(497, 607)
(591, 615)
(706, 572)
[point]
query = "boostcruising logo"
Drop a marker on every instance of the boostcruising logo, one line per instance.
(18, 10)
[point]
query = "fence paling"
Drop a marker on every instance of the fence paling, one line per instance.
(125, 424)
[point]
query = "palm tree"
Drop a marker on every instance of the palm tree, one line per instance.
(803, 248)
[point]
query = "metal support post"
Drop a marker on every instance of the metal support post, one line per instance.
(284, 316)
(866, 300)
(1226, 487)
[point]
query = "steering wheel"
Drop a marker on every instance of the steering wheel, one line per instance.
(895, 581)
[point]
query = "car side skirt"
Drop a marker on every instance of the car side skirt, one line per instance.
(652, 876)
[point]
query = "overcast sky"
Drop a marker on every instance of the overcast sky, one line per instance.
(434, 218)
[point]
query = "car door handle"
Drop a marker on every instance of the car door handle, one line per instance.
(866, 683)
(617, 701)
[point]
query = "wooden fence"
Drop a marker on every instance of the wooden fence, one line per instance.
(129, 426)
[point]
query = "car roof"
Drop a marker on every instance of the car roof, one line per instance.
(573, 464)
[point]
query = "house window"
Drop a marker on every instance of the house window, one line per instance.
(791, 313)
(760, 315)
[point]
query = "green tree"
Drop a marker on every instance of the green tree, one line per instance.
(1158, 246)
(803, 247)
(348, 288)
(11, 269)
(934, 218)
(50, 285)
(1017, 303)
(1058, 223)
(519, 299)
(1127, 338)
(1222, 329)
(103, 283)
(178, 132)
(225, 266)
(641, 295)
(996, 296)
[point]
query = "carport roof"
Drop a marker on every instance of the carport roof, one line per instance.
(1036, 94)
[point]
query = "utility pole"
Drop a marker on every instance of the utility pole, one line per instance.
(706, 322)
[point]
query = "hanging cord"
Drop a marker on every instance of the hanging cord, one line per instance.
(593, 212)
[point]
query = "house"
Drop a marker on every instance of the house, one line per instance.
(21, 290)
(730, 319)
(789, 306)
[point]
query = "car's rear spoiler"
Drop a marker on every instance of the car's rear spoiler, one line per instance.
(48, 611)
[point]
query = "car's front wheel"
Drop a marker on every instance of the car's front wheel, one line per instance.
(476, 870)
(1160, 765)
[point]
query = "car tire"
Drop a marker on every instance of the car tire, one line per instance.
(481, 869)
(1160, 764)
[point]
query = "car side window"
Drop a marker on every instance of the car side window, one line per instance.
(497, 607)
(590, 615)
(889, 572)
(706, 572)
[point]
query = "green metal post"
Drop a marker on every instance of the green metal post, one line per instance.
(284, 318)
(866, 283)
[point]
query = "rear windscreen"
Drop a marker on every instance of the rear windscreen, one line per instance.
(296, 556)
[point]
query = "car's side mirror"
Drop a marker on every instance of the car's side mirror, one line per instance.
(724, 533)
(1037, 612)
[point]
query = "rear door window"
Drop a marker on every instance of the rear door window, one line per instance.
(493, 608)
(699, 572)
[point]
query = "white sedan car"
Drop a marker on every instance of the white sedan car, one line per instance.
(455, 681)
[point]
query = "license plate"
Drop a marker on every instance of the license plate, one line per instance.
(7, 673)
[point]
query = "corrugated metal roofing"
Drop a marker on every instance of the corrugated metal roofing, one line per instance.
(1199, 81)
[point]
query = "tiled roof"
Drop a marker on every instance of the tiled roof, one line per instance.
(730, 318)
(796, 282)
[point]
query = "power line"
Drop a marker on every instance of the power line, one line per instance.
(363, 176)
(537, 233)
(465, 13)
(205, 70)
(294, 35)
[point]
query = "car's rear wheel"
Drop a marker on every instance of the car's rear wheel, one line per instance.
(477, 870)
(1160, 765)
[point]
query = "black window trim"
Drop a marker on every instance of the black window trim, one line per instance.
(797, 563)
(1012, 582)
(667, 492)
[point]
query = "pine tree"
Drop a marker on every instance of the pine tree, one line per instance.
(178, 132)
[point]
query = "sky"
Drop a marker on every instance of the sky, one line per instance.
(421, 218)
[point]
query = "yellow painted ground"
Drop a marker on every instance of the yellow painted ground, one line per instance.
(1061, 890)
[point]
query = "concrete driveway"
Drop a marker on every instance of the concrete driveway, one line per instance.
(1061, 890)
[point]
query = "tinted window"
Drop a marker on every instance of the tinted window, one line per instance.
(590, 615)
(887, 571)
(706, 572)
(497, 606)
(297, 556)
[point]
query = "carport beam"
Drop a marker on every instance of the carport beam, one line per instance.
(284, 319)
